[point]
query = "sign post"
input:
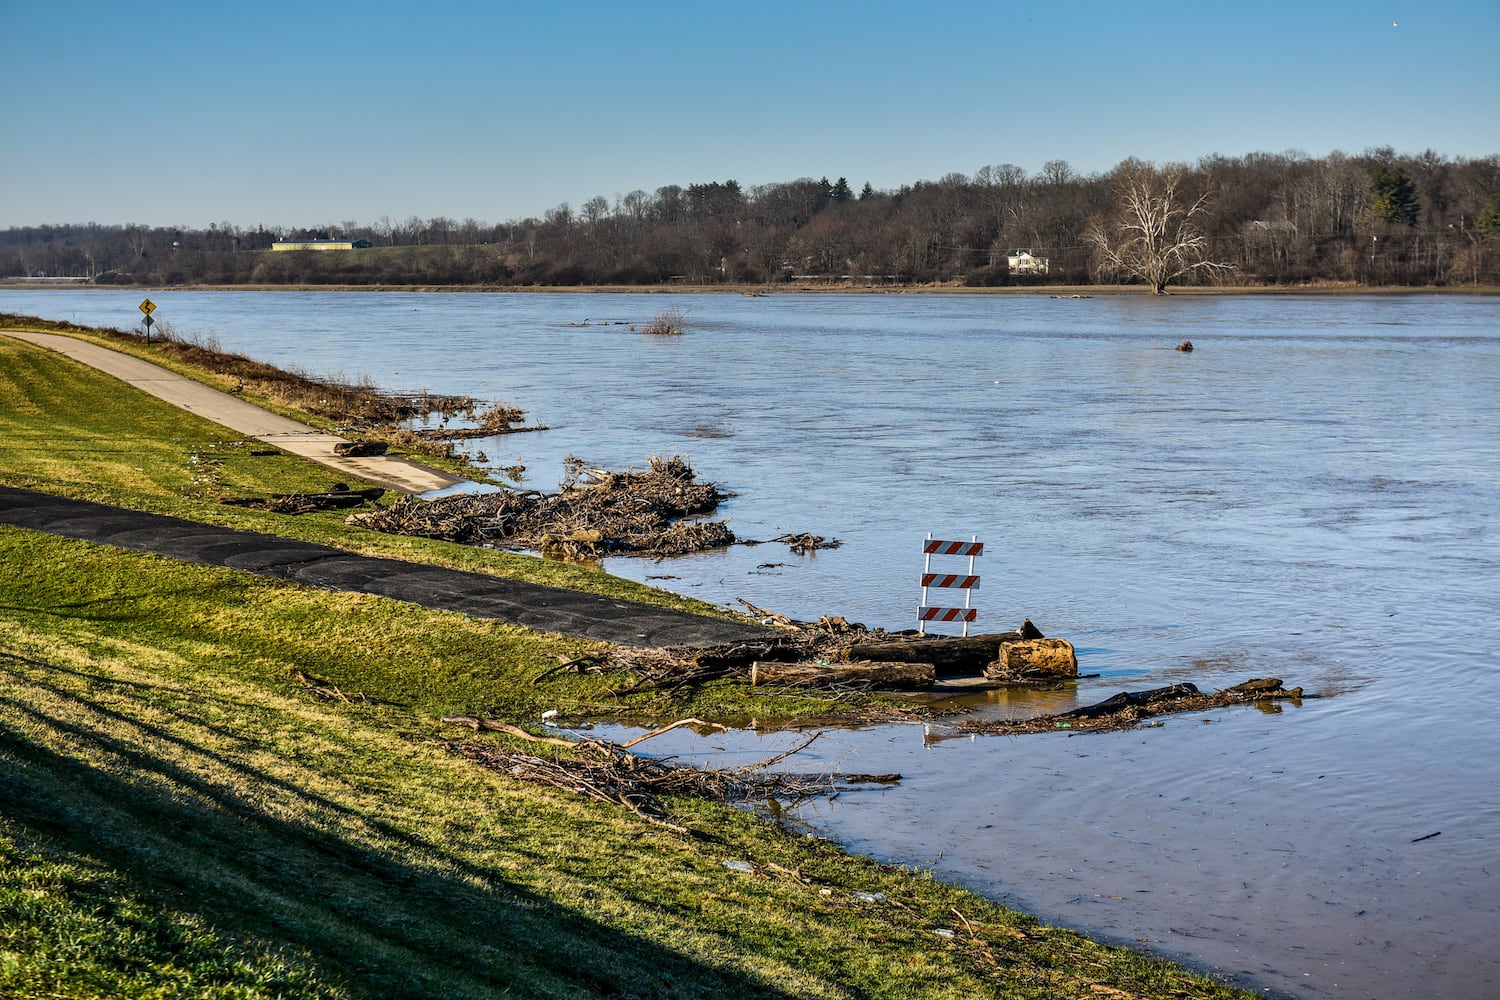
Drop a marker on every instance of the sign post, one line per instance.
(148, 307)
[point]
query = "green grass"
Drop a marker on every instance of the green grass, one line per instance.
(69, 430)
(179, 817)
(161, 787)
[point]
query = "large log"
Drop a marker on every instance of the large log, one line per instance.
(888, 676)
(1035, 658)
(1129, 708)
(950, 656)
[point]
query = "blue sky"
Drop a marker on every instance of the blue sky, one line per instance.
(319, 111)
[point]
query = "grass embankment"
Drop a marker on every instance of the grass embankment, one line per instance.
(179, 817)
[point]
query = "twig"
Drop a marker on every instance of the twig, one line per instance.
(779, 757)
(326, 693)
(573, 664)
(506, 728)
(680, 722)
(967, 926)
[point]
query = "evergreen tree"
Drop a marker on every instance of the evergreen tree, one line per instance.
(1489, 218)
(1395, 196)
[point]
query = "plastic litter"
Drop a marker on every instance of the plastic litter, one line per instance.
(740, 866)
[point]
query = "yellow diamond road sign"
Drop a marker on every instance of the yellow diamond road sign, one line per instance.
(148, 307)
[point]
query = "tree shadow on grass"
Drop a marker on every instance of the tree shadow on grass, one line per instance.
(370, 923)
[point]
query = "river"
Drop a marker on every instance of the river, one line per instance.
(1311, 494)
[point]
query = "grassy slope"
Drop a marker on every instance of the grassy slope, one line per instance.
(179, 818)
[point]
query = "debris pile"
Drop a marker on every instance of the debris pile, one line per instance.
(825, 641)
(609, 772)
(833, 655)
(597, 513)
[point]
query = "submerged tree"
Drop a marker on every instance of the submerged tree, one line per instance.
(1154, 233)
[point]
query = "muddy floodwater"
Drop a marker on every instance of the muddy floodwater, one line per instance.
(1311, 494)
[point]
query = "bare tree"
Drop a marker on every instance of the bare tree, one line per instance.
(1154, 235)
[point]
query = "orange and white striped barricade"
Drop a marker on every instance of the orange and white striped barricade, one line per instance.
(955, 581)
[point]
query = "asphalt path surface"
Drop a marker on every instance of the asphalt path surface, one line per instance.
(550, 609)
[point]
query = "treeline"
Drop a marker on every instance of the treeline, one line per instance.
(1378, 218)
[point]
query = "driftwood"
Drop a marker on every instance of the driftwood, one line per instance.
(887, 676)
(668, 728)
(950, 656)
(804, 543)
(832, 654)
(609, 772)
(1129, 708)
(302, 503)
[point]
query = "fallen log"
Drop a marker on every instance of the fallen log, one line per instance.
(886, 676)
(1129, 708)
(950, 656)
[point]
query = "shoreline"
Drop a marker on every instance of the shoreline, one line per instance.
(800, 288)
(839, 882)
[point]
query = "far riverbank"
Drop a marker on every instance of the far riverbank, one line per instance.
(795, 288)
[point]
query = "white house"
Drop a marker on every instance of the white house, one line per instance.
(1025, 262)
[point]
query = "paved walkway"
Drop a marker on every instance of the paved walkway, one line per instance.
(235, 413)
(549, 609)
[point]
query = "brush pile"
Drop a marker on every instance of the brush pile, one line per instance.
(597, 513)
(610, 773)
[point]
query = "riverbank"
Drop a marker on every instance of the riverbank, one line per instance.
(247, 786)
(798, 288)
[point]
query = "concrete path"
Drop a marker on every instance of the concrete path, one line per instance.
(549, 609)
(246, 418)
